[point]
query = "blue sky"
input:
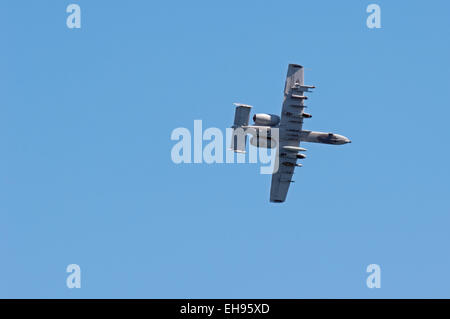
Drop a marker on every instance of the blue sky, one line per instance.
(86, 175)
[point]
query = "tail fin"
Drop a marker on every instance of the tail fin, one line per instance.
(241, 118)
(242, 115)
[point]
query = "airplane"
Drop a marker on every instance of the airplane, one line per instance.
(290, 132)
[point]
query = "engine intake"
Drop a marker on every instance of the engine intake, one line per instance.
(266, 119)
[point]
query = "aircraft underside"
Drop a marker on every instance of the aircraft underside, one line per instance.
(284, 132)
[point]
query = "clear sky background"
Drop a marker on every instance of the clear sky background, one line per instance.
(86, 175)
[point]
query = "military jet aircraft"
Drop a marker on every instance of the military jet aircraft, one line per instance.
(290, 132)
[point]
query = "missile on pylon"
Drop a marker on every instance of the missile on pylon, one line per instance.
(294, 149)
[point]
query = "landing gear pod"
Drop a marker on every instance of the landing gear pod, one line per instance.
(264, 142)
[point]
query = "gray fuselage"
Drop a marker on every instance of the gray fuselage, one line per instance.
(324, 138)
(305, 136)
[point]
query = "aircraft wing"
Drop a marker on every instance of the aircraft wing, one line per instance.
(291, 123)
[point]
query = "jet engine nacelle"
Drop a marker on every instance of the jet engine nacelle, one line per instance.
(266, 119)
(262, 141)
